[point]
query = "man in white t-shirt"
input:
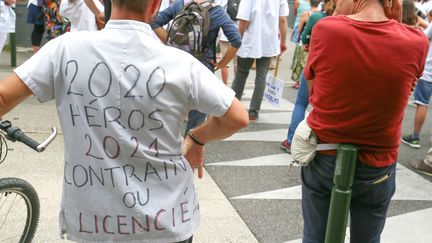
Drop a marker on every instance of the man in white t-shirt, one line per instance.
(121, 102)
(7, 21)
(260, 23)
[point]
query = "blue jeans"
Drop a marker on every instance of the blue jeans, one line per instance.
(195, 118)
(301, 103)
(372, 191)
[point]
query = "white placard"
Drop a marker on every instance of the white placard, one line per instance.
(274, 89)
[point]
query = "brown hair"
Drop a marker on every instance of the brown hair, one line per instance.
(136, 6)
(329, 6)
(409, 16)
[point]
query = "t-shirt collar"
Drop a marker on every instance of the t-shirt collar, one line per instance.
(128, 25)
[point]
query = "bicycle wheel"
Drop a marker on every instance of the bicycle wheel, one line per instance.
(19, 210)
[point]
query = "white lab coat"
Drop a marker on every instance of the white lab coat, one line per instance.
(7, 18)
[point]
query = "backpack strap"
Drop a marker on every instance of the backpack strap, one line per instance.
(209, 4)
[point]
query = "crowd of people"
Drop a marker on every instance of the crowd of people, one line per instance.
(128, 88)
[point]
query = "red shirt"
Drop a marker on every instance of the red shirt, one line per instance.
(362, 76)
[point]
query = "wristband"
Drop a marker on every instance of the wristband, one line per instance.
(190, 134)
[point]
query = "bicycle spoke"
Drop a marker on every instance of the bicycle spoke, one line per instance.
(13, 200)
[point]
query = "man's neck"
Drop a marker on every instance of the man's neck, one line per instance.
(128, 15)
(368, 10)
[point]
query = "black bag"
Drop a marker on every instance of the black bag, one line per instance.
(190, 27)
(232, 9)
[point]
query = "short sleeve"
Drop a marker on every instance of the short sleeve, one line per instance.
(38, 71)
(209, 94)
(283, 8)
(245, 10)
(315, 49)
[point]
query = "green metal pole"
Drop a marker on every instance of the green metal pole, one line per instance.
(341, 193)
(13, 46)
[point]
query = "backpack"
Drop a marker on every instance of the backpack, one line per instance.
(232, 8)
(190, 27)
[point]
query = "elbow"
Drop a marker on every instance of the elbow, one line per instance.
(242, 120)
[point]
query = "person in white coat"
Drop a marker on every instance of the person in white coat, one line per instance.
(7, 21)
(80, 15)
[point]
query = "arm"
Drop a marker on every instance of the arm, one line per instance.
(162, 34)
(229, 55)
(12, 91)
(233, 35)
(168, 14)
(283, 29)
(422, 23)
(100, 16)
(303, 20)
(296, 6)
(9, 2)
(243, 25)
(215, 128)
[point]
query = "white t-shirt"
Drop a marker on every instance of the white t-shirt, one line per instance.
(7, 19)
(427, 72)
(121, 103)
(261, 37)
(34, 2)
(427, 7)
(224, 5)
(164, 4)
(79, 14)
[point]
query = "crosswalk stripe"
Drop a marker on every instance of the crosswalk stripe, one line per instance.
(406, 181)
(275, 118)
(266, 106)
(269, 160)
(275, 135)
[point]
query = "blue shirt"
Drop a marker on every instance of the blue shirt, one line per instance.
(218, 19)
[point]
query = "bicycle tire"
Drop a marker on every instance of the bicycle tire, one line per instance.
(26, 191)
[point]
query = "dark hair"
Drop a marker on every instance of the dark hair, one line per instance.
(329, 7)
(314, 3)
(409, 16)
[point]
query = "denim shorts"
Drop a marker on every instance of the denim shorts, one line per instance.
(422, 92)
(35, 15)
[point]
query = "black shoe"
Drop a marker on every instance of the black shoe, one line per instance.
(410, 141)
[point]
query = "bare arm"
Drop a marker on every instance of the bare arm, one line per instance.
(296, 6)
(229, 55)
(303, 21)
(162, 34)
(9, 2)
(422, 23)
(100, 16)
(243, 25)
(215, 128)
(12, 91)
(283, 29)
